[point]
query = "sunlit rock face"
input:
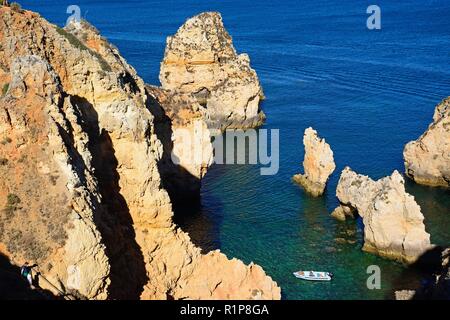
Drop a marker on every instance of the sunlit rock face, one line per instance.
(81, 187)
(200, 59)
(393, 221)
(427, 159)
(318, 163)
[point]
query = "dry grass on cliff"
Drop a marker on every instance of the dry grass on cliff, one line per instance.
(5, 89)
(74, 41)
(34, 204)
(15, 6)
(33, 222)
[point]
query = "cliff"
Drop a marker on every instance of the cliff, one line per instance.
(393, 222)
(318, 163)
(186, 139)
(200, 59)
(427, 160)
(82, 185)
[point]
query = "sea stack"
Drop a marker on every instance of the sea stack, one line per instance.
(81, 190)
(200, 59)
(318, 163)
(427, 160)
(393, 222)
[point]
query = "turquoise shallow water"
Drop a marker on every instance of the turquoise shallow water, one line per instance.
(366, 92)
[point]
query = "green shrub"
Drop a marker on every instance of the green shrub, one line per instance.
(6, 140)
(12, 202)
(12, 199)
(74, 41)
(5, 89)
(15, 6)
(104, 65)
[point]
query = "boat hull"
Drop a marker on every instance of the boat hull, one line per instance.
(313, 276)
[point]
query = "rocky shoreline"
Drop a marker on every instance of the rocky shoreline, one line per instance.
(393, 222)
(78, 122)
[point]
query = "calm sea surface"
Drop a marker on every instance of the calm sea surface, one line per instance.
(367, 92)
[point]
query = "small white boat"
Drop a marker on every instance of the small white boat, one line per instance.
(314, 275)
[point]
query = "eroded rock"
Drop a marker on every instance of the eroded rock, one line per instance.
(393, 221)
(427, 159)
(342, 212)
(82, 152)
(318, 163)
(200, 59)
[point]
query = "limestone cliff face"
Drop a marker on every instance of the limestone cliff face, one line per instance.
(393, 222)
(188, 150)
(51, 195)
(80, 181)
(200, 59)
(318, 163)
(427, 160)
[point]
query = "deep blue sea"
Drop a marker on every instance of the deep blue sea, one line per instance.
(368, 92)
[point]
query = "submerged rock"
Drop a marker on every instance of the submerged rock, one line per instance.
(427, 160)
(393, 222)
(200, 59)
(404, 294)
(318, 163)
(82, 192)
(342, 212)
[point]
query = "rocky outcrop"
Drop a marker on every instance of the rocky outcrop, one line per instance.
(342, 212)
(186, 139)
(200, 59)
(81, 184)
(393, 222)
(318, 163)
(427, 160)
(404, 294)
(55, 228)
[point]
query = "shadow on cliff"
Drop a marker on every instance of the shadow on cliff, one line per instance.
(184, 189)
(128, 273)
(182, 186)
(14, 287)
(201, 222)
(426, 267)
